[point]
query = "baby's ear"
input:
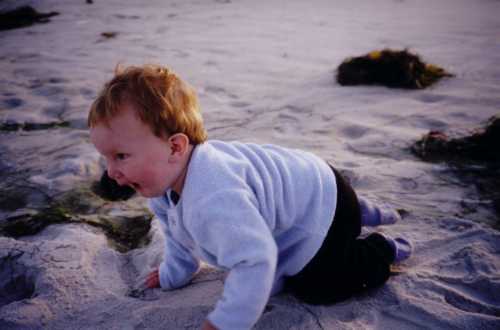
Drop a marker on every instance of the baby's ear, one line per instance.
(179, 143)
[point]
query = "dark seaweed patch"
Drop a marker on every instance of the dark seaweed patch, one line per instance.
(13, 126)
(475, 158)
(125, 230)
(391, 68)
(480, 145)
(22, 17)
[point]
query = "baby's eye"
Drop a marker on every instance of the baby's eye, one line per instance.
(121, 156)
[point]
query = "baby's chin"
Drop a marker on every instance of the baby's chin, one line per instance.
(148, 193)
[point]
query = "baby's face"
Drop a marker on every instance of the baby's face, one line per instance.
(134, 155)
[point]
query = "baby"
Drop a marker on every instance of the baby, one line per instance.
(274, 218)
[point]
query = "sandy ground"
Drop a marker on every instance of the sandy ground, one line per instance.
(264, 72)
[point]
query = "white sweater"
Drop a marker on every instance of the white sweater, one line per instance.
(260, 212)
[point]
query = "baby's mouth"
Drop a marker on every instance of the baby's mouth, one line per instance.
(135, 186)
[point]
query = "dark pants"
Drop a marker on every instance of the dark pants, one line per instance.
(345, 264)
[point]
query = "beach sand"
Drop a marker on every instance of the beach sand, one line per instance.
(265, 73)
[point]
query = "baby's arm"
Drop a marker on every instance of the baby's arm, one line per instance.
(238, 239)
(178, 266)
(177, 271)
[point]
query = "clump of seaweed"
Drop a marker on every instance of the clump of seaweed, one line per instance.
(391, 68)
(126, 228)
(22, 17)
(481, 145)
(27, 126)
(475, 157)
(30, 223)
(109, 35)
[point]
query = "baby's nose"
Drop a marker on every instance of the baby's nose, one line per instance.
(114, 173)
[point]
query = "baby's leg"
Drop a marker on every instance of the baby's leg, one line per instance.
(375, 215)
(343, 268)
(345, 264)
(383, 214)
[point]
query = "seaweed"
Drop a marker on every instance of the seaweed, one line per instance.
(125, 230)
(13, 126)
(30, 223)
(474, 157)
(23, 17)
(391, 68)
(109, 35)
(480, 145)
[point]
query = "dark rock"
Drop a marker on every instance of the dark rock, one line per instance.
(391, 68)
(22, 17)
(109, 189)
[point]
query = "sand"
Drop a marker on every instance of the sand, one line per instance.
(264, 72)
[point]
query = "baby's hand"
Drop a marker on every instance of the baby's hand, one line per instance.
(153, 279)
(207, 325)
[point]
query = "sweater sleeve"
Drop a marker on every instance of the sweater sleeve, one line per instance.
(178, 265)
(231, 230)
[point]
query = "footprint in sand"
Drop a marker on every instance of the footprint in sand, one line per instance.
(354, 131)
(220, 93)
(15, 285)
(408, 184)
(459, 273)
(12, 102)
(286, 123)
(88, 93)
(180, 53)
(430, 98)
(239, 104)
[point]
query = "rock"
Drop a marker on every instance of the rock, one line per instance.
(391, 68)
(109, 189)
(22, 17)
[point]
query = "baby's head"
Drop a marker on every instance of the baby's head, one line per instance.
(161, 99)
(145, 123)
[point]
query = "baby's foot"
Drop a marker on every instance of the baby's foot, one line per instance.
(376, 215)
(402, 248)
(388, 215)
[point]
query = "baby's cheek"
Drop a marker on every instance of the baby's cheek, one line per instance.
(147, 175)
